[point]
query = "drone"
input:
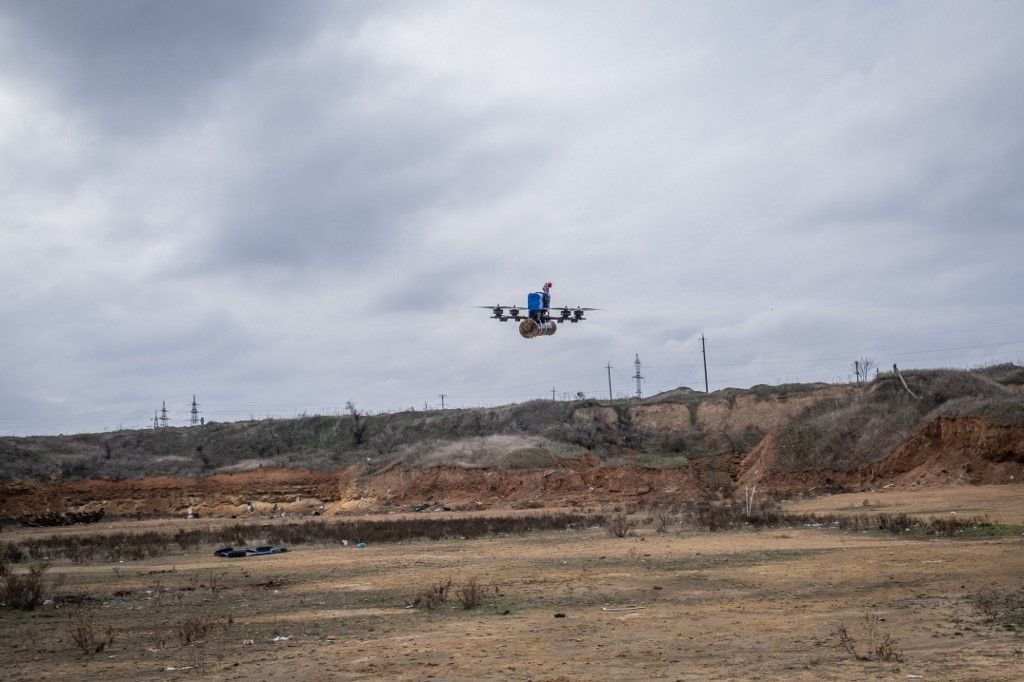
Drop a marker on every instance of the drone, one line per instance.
(537, 317)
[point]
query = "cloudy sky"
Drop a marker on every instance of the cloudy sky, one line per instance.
(282, 206)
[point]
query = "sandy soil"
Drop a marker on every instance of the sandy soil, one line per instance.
(1002, 503)
(676, 605)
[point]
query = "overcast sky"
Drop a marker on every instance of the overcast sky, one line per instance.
(282, 206)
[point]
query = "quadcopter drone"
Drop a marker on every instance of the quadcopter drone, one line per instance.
(540, 319)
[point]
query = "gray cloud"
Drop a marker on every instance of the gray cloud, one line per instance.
(284, 207)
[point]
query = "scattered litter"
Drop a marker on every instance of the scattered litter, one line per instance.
(344, 543)
(171, 669)
(915, 677)
(360, 545)
(248, 642)
(622, 608)
(280, 638)
(237, 552)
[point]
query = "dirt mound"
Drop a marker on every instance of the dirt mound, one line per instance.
(944, 451)
(576, 482)
(573, 483)
(162, 495)
(956, 450)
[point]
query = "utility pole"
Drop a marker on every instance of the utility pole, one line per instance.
(163, 414)
(442, 396)
(637, 377)
(194, 415)
(856, 368)
(552, 394)
(609, 368)
(704, 352)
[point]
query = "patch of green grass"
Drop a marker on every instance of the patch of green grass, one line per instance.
(994, 530)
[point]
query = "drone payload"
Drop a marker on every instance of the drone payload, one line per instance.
(530, 328)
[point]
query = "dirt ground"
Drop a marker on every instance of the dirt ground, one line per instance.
(675, 605)
(1003, 503)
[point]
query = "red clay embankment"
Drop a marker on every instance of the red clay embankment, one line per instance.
(573, 483)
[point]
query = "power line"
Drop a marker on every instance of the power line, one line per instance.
(704, 352)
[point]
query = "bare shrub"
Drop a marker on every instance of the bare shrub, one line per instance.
(662, 521)
(471, 594)
(388, 439)
(433, 596)
(86, 635)
(9, 554)
(26, 591)
(618, 525)
(1005, 609)
(878, 644)
(192, 630)
(358, 426)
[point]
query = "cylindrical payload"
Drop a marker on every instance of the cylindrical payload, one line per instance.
(530, 328)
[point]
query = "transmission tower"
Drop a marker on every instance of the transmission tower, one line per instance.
(638, 378)
(163, 413)
(156, 421)
(194, 414)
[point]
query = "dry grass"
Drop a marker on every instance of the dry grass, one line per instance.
(654, 605)
(433, 596)
(470, 594)
(866, 641)
(86, 635)
(618, 525)
(28, 590)
(862, 425)
(192, 630)
(1005, 609)
(855, 430)
(135, 546)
